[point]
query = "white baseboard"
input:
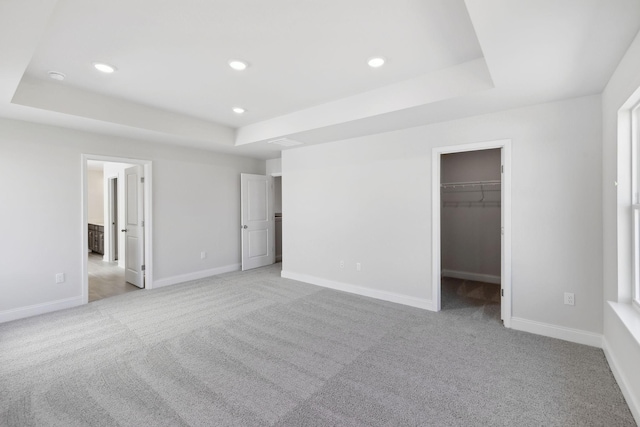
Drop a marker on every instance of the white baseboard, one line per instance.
(359, 290)
(632, 400)
(465, 275)
(194, 276)
(34, 310)
(548, 330)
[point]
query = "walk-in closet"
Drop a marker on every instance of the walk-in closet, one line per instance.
(471, 231)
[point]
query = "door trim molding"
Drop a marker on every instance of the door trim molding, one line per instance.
(436, 154)
(148, 217)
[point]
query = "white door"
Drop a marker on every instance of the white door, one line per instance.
(134, 225)
(257, 221)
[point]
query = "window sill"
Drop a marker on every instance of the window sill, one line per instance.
(629, 316)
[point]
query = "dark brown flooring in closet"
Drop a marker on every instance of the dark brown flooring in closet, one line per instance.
(106, 279)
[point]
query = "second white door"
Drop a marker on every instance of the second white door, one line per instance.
(257, 221)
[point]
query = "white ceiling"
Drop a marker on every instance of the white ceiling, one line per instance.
(308, 79)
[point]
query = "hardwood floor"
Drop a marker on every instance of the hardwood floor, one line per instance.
(106, 279)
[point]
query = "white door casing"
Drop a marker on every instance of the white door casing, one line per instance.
(134, 225)
(506, 291)
(257, 222)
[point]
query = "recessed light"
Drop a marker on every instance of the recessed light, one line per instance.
(376, 62)
(238, 65)
(105, 68)
(55, 75)
(239, 110)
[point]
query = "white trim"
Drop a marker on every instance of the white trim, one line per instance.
(466, 275)
(629, 317)
(359, 290)
(560, 332)
(148, 217)
(36, 309)
(196, 275)
(505, 145)
(111, 184)
(633, 402)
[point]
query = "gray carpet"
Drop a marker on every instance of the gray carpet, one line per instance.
(253, 349)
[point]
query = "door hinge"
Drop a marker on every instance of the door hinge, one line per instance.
(501, 168)
(143, 267)
(143, 223)
(142, 179)
(501, 292)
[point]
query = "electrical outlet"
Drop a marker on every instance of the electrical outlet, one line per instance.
(60, 278)
(358, 266)
(341, 264)
(203, 255)
(569, 298)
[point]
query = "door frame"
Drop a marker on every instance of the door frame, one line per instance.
(112, 197)
(148, 215)
(505, 269)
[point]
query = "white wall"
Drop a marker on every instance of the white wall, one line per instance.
(470, 233)
(95, 196)
(274, 167)
(623, 349)
(196, 205)
(368, 200)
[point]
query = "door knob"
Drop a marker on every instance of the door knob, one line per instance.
(244, 226)
(124, 230)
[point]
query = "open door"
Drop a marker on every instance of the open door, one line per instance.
(257, 221)
(134, 225)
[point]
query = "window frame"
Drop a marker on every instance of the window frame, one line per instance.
(635, 206)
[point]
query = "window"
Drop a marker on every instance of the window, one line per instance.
(635, 203)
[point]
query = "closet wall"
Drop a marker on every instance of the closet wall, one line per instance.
(95, 202)
(471, 215)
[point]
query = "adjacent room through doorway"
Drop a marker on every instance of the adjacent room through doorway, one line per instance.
(107, 248)
(277, 207)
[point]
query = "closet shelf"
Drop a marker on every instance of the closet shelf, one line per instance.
(469, 184)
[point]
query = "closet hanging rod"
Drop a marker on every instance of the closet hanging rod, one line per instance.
(469, 183)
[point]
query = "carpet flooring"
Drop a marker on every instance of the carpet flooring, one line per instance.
(253, 349)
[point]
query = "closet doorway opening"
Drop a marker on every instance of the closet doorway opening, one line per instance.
(471, 225)
(277, 208)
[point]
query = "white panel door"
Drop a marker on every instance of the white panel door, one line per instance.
(134, 225)
(257, 221)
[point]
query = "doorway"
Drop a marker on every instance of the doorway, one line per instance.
(113, 221)
(471, 219)
(116, 226)
(277, 207)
